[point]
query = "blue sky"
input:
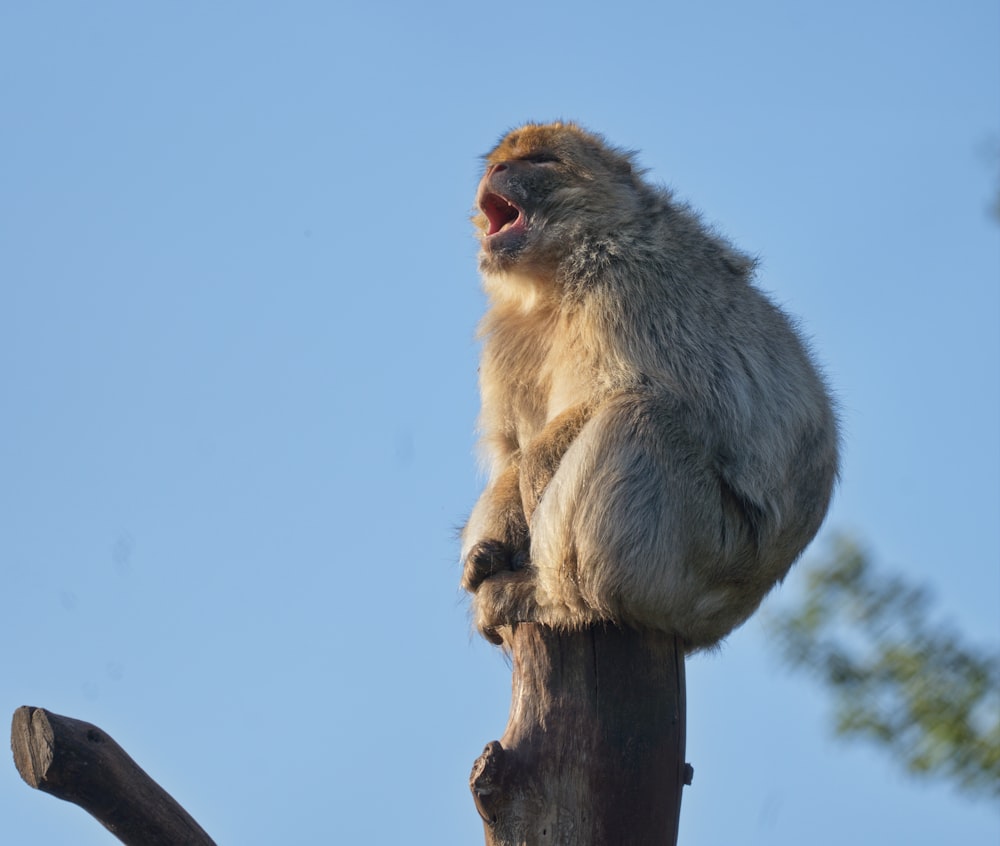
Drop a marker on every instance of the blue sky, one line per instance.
(237, 373)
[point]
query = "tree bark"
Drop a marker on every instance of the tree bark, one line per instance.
(76, 761)
(593, 753)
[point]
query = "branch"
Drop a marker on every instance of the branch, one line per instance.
(77, 762)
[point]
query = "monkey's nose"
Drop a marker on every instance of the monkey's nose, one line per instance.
(496, 168)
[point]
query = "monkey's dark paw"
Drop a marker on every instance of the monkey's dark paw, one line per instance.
(489, 557)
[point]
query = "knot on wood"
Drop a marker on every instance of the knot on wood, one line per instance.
(487, 778)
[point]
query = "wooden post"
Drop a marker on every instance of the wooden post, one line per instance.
(78, 762)
(593, 753)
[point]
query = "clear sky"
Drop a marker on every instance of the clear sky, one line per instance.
(238, 379)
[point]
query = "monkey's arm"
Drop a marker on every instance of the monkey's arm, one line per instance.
(497, 538)
(541, 457)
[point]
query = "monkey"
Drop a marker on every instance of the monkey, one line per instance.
(660, 445)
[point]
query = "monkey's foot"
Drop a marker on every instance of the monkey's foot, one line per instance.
(504, 599)
(489, 558)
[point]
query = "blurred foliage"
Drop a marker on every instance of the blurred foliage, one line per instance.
(898, 679)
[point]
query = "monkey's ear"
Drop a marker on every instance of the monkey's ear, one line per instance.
(626, 165)
(740, 264)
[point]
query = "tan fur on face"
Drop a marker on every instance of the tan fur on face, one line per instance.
(661, 447)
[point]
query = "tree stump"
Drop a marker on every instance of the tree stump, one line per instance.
(593, 753)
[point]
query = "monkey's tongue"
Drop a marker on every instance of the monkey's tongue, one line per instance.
(499, 212)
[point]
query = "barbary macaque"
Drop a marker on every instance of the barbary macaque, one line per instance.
(661, 448)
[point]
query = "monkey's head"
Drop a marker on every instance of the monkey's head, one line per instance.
(547, 189)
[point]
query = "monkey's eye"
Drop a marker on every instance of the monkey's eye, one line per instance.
(542, 158)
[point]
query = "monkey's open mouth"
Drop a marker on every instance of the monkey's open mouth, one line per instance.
(500, 213)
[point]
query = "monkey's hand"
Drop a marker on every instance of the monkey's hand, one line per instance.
(488, 558)
(501, 579)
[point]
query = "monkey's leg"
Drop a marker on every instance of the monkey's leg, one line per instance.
(633, 527)
(503, 599)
